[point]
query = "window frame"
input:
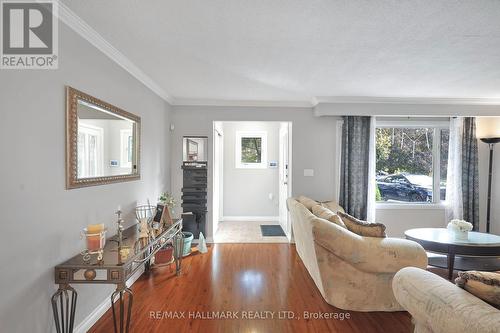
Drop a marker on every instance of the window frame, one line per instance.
(438, 126)
(263, 156)
(125, 135)
(91, 130)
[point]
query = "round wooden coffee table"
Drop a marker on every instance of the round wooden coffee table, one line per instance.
(479, 252)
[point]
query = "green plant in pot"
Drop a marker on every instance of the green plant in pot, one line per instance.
(168, 200)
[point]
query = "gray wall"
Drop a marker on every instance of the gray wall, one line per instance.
(41, 220)
(313, 144)
(246, 191)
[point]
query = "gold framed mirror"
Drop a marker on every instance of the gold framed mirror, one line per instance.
(102, 142)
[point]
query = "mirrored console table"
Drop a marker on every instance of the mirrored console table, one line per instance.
(116, 267)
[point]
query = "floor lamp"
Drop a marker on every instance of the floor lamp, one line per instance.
(488, 131)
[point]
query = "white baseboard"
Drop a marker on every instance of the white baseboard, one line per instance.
(101, 309)
(251, 218)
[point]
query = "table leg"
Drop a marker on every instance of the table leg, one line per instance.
(120, 292)
(178, 248)
(451, 264)
(64, 312)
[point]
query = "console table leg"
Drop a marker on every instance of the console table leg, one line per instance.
(120, 292)
(179, 248)
(451, 264)
(64, 312)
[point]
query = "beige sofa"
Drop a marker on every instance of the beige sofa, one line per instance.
(350, 271)
(439, 306)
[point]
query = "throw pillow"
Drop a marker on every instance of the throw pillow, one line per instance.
(326, 214)
(307, 202)
(362, 228)
(483, 285)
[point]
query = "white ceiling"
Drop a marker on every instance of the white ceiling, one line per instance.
(294, 51)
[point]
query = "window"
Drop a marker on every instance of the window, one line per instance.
(126, 148)
(89, 151)
(251, 150)
(411, 161)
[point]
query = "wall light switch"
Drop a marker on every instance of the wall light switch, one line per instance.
(308, 172)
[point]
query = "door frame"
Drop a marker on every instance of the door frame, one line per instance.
(287, 226)
(218, 205)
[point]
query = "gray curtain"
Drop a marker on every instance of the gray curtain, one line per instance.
(354, 166)
(470, 177)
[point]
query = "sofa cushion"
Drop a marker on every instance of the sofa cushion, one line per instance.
(307, 202)
(483, 285)
(333, 206)
(326, 214)
(362, 228)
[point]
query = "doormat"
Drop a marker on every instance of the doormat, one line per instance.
(271, 230)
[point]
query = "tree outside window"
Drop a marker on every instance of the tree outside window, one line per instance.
(405, 158)
(251, 150)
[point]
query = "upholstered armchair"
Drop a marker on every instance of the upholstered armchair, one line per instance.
(351, 272)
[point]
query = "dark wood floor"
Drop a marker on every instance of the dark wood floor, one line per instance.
(243, 277)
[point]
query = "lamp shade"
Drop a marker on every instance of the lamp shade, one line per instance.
(488, 127)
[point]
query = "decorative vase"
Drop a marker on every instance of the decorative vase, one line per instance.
(461, 235)
(458, 233)
(188, 238)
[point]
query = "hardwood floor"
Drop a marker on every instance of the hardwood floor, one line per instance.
(245, 278)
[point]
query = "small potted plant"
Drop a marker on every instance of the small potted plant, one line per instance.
(167, 199)
(460, 229)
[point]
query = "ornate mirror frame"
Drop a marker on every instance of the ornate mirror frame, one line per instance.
(72, 180)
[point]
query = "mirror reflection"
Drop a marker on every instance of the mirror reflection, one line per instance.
(195, 149)
(105, 142)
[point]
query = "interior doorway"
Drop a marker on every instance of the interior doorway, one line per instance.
(251, 181)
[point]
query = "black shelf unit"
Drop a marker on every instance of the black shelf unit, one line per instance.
(194, 197)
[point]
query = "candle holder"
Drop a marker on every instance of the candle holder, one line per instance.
(119, 228)
(95, 242)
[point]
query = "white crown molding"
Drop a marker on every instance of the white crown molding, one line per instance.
(68, 17)
(243, 103)
(404, 100)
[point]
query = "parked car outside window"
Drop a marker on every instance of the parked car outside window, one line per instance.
(407, 188)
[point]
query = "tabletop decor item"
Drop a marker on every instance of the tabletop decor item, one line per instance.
(168, 200)
(95, 239)
(460, 229)
(144, 215)
(188, 238)
(202, 244)
(123, 251)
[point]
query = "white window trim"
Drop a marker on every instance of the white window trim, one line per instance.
(436, 172)
(413, 205)
(124, 134)
(253, 134)
(99, 133)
